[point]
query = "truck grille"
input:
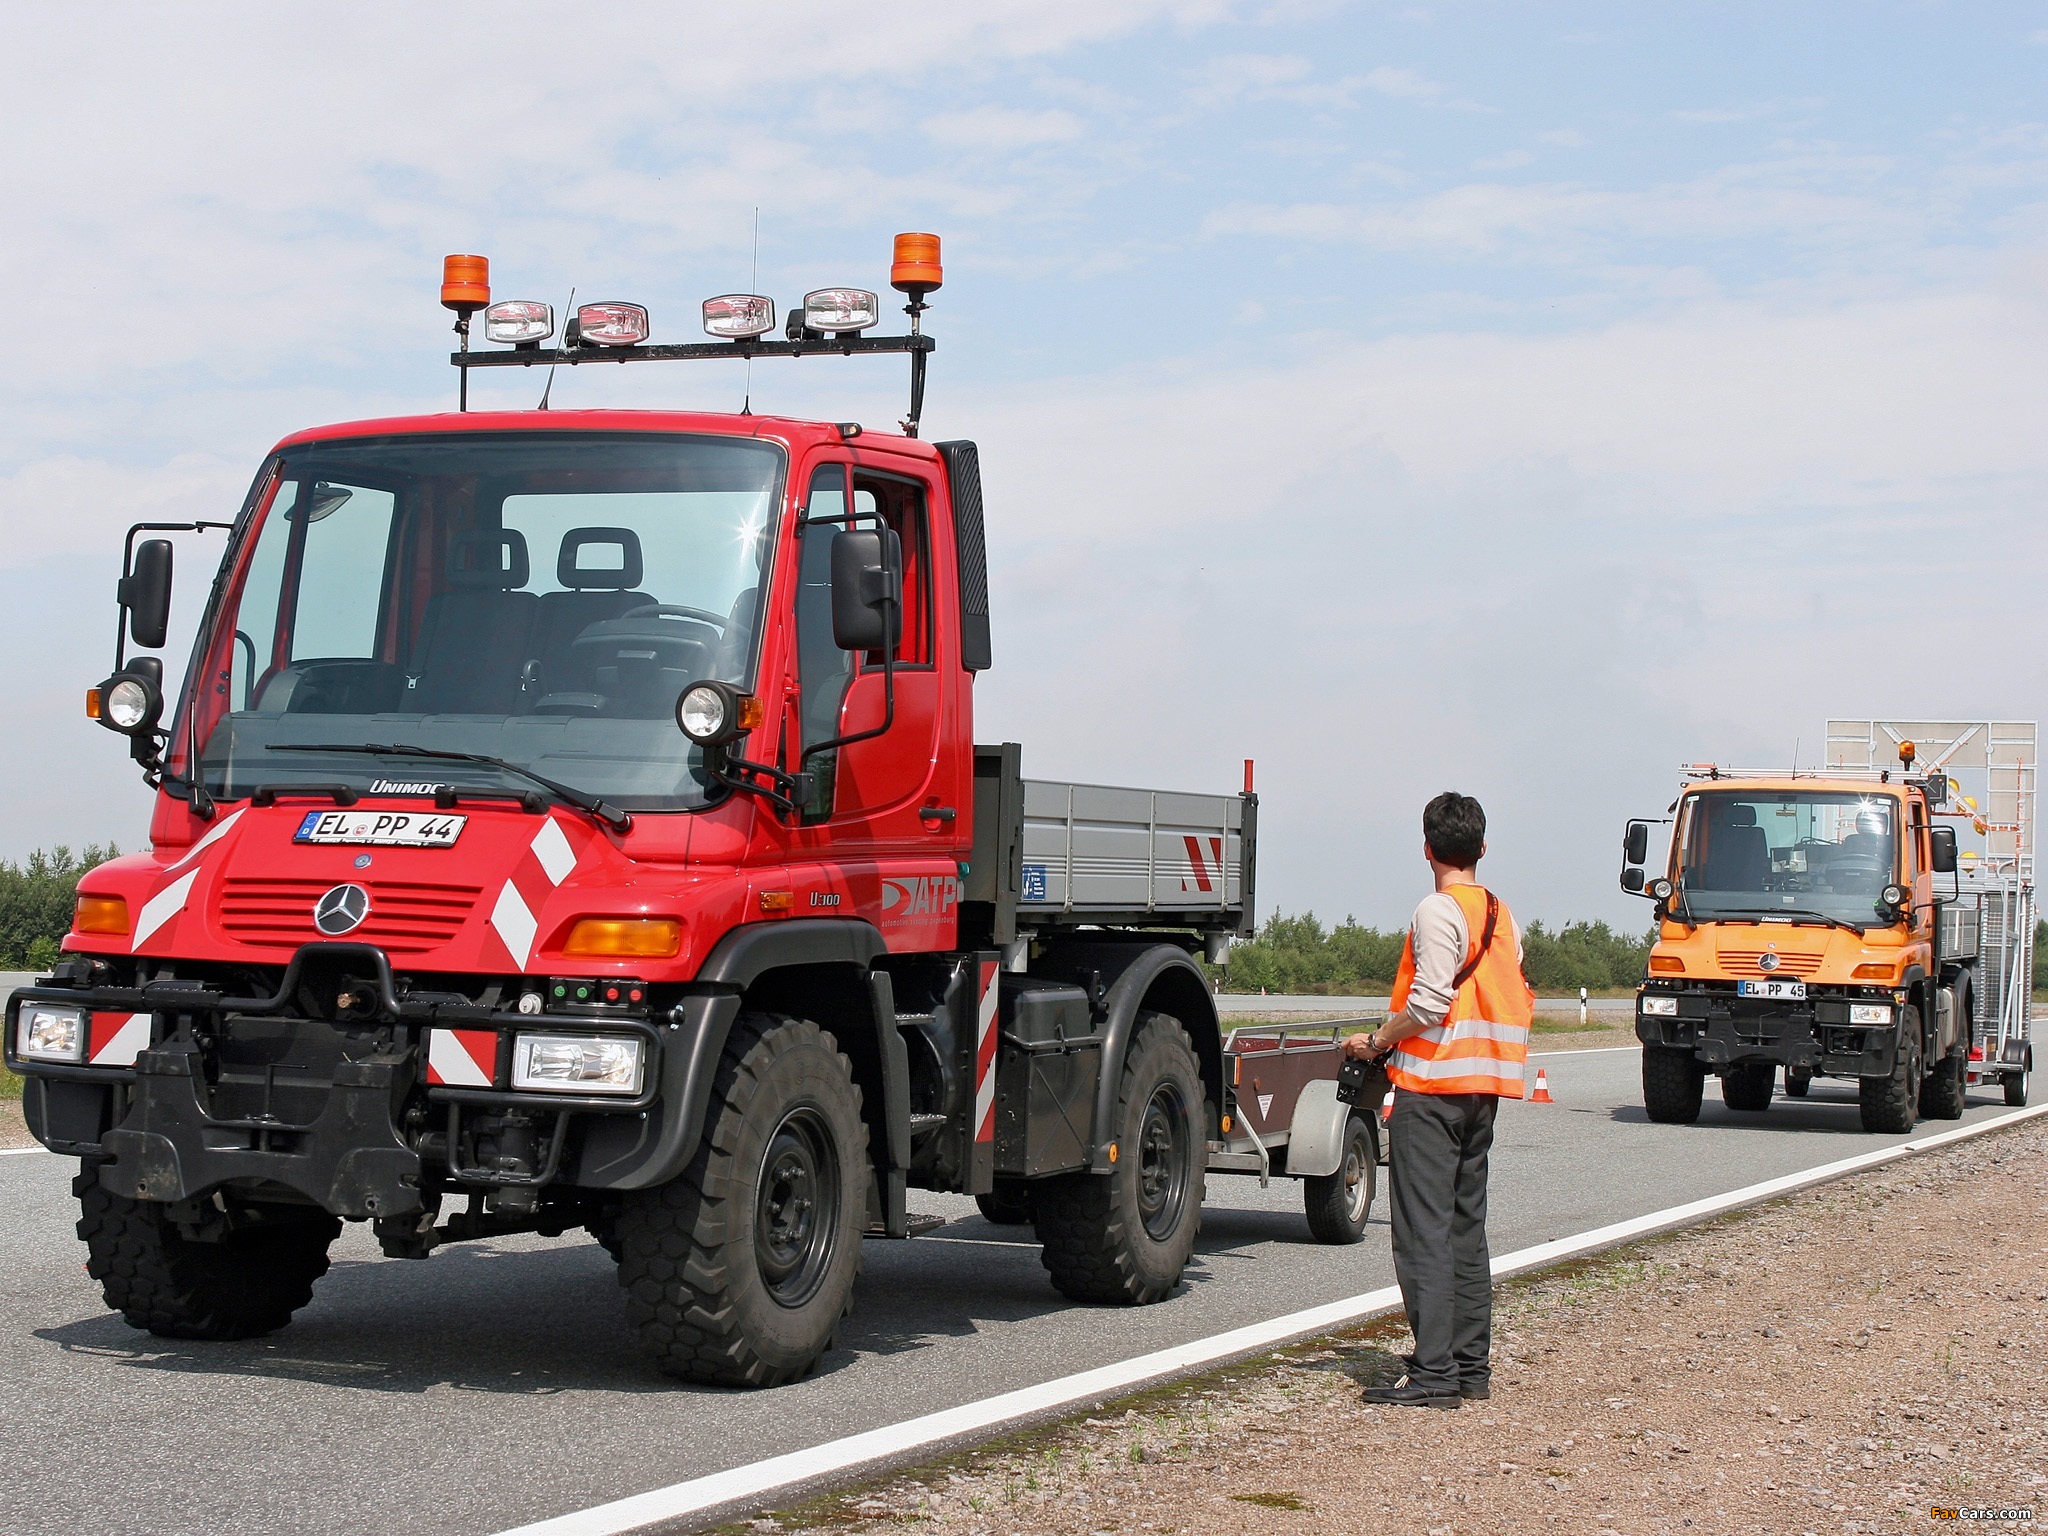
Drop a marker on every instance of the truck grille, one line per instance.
(405, 916)
(1743, 962)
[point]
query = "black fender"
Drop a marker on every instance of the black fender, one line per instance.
(620, 1153)
(1134, 977)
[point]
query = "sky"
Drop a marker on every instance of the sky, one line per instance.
(1522, 399)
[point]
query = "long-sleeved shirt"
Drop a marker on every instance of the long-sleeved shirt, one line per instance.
(1442, 942)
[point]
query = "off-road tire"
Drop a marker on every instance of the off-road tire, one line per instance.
(1338, 1204)
(247, 1284)
(1098, 1244)
(1797, 1083)
(1007, 1205)
(1673, 1085)
(1749, 1087)
(704, 1255)
(1888, 1104)
(1943, 1090)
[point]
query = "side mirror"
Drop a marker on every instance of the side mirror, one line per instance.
(1944, 850)
(1635, 844)
(1632, 880)
(867, 589)
(145, 592)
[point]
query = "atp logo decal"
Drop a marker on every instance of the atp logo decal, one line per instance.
(920, 896)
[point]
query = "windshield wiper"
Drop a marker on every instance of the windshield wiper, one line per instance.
(1794, 913)
(590, 805)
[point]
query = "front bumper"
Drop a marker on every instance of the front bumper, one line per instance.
(1722, 1029)
(365, 1136)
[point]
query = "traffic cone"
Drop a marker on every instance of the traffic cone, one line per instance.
(1542, 1093)
(1387, 1107)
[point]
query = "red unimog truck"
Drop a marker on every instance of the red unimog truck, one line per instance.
(573, 819)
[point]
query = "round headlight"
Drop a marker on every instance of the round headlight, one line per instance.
(706, 713)
(1892, 895)
(1660, 888)
(129, 704)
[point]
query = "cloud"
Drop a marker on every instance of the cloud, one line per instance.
(1403, 84)
(1002, 128)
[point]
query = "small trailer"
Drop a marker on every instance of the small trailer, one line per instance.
(1282, 1119)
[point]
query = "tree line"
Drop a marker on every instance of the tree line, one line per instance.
(1297, 954)
(36, 898)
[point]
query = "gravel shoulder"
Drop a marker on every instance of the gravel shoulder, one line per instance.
(1848, 1359)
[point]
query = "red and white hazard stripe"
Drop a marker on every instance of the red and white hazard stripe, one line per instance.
(548, 861)
(169, 899)
(985, 1055)
(462, 1058)
(116, 1039)
(1206, 871)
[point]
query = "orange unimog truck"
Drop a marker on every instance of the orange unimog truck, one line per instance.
(1827, 924)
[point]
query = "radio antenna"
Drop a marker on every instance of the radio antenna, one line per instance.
(568, 319)
(753, 286)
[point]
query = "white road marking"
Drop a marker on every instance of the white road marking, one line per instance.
(933, 1429)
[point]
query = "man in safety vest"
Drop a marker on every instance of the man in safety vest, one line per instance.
(1456, 1044)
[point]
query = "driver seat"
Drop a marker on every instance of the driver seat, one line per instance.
(593, 593)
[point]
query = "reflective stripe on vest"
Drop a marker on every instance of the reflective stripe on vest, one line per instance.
(1482, 1045)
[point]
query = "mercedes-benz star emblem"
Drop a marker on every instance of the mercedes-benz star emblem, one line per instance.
(1766, 961)
(341, 910)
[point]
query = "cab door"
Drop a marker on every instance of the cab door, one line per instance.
(872, 792)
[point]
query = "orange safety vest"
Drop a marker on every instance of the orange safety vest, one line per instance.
(1482, 1045)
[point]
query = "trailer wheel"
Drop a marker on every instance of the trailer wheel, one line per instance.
(1339, 1203)
(249, 1283)
(1673, 1085)
(738, 1271)
(1126, 1237)
(1888, 1104)
(1749, 1087)
(1796, 1083)
(1007, 1205)
(1942, 1091)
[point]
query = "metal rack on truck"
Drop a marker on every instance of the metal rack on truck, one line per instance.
(572, 818)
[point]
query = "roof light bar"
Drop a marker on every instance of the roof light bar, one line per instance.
(611, 324)
(737, 316)
(523, 322)
(833, 310)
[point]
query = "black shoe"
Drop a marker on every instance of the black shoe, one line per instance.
(1471, 1391)
(1406, 1394)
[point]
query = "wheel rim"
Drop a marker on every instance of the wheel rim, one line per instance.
(1357, 1181)
(796, 1205)
(1162, 1162)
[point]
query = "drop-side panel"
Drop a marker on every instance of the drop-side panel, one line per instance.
(1098, 853)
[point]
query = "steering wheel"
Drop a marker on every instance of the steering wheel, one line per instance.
(677, 611)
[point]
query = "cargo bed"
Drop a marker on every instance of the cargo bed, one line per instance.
(1051, 854)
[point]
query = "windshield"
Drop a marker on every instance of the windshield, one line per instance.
(1789, 851)
(539, 597)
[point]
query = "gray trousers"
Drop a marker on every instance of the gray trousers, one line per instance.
(1438, 1148)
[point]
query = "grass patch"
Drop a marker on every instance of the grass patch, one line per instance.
(1272, 1500)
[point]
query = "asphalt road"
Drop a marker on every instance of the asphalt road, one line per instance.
(494, 1384)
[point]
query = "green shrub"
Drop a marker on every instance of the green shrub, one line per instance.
(1298, 955)
(36, 898)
